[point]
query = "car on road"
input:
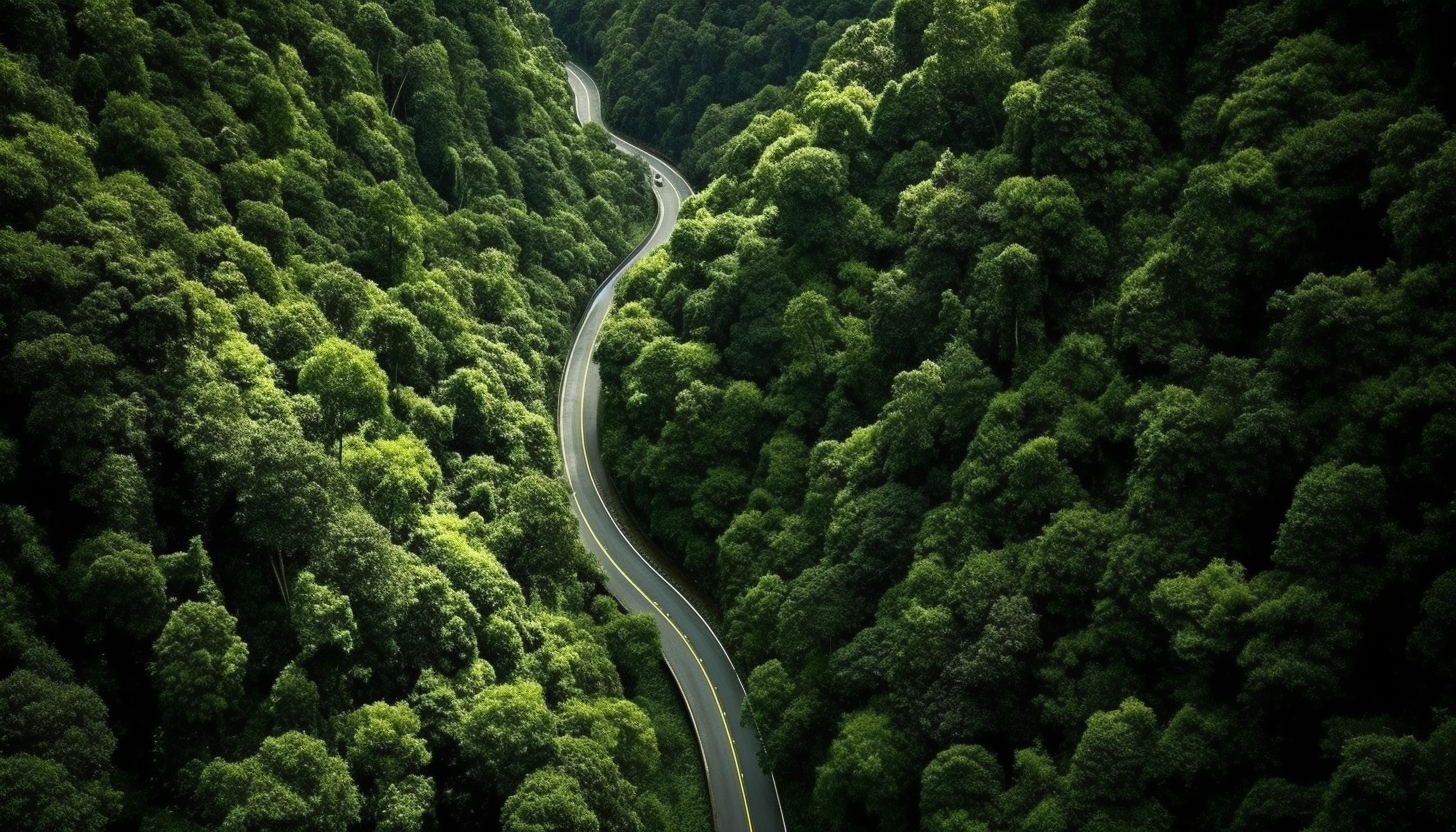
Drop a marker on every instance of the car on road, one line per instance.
(657, 179)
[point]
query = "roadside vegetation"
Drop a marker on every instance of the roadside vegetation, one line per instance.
(284, 294)
(1057, 399)
(687, 76)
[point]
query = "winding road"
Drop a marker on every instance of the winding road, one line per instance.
(744, 798)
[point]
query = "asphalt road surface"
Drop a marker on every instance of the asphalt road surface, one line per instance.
(744, 798)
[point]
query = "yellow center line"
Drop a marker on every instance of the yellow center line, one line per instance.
(586, 460)
(722, 714)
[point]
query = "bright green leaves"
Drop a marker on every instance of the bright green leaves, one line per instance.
(386, 755)
(817, 211)
(349, 385)
(322, 617)
(44, 165)
(1038, 482)
(913, 419)
(438, 628)
(135, 134)
(970, 48)
(570, 663)
(181, 335)
(864, 55)
(293, 702)
(381, 742)
(664, 368)
(549, 800)
(1204, 612)
(394, 235)
(268, 226)
(338, 66)
(958, 789)
(1046, 216)
(611, 798)
(199, 665)
(619, 727)
(811, 330)
(455, 548)
(374, 33)
(509, 732)
(442, 316)
(841, 117)
(536, 539)
(292, 782)
(1113, 765)
(865, 768)
(1203, 253)
(406, 805)
(286, 490)
(268, 106)
(395, 477)
(1081, 124)
(433, 110)
(807, 181)
(489, 420)
(410, 353)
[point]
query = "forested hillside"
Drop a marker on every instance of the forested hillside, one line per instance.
(1058, 398)
(687, 75)
(284, 292)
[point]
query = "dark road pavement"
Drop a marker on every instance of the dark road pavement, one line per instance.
(744, 798)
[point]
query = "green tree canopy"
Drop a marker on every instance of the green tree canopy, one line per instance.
(348, 383)
(292, 782)
(199, 664)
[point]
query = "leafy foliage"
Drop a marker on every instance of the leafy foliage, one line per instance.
(1055, 398)
(286, 290)
(680, 75)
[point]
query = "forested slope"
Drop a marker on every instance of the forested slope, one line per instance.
(1058, 399)
(686, 75)
(284, 292)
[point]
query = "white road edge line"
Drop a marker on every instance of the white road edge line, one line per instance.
(575, 74)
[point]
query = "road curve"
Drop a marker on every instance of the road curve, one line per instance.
(744, 798)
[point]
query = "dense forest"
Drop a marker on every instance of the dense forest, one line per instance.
(687, 76)
(1058, 399)
(285, 289)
